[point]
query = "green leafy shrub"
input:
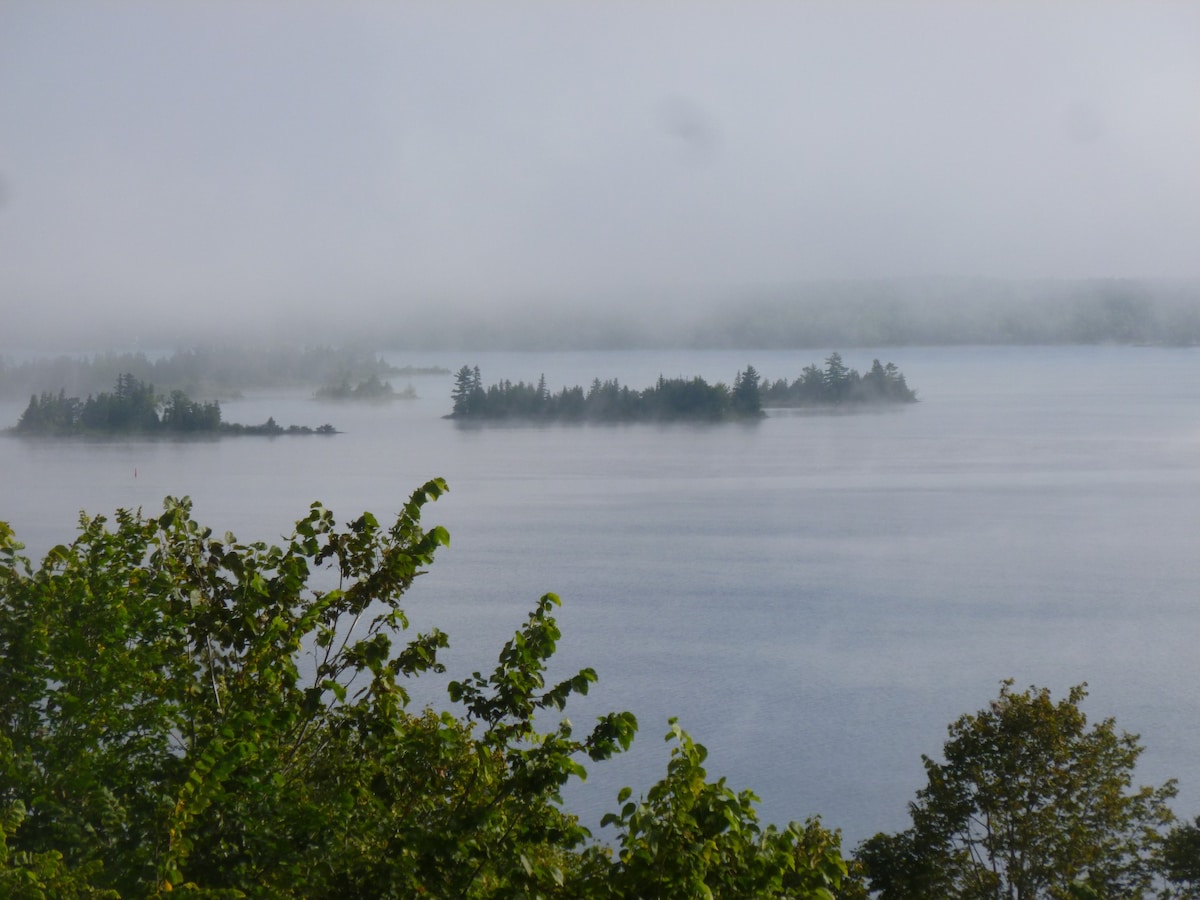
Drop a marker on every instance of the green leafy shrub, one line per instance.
(185, 713)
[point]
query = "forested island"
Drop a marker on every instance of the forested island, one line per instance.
(133, 408)
(370, 389)
(678, 399)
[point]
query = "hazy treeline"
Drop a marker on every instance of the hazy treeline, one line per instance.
(818, 314)
(961, 312)
(371, 388)
(879, 313)
(837, 384)
(203, 371)
(918, 312)
(134, 408)
(671, 399)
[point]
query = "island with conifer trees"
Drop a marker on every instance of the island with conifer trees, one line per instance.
(371, 390)
(678, 399)
(838, 385)
(134, 409)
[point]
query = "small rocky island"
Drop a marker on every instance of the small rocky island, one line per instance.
(134, 409)
(679, 399)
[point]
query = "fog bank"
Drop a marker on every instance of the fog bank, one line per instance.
(303, 169)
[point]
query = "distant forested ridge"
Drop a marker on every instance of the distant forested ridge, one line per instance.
(845, 313)
(134, 409)
(677, 399)
(808, 314)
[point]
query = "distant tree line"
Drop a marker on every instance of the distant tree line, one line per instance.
(836, 313)
(957, 312)
(204, 371)
(836, 384)
(134, 408)
(676, 399)
(669, 399)
(369, 388)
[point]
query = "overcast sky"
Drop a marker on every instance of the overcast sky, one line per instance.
(218, 161)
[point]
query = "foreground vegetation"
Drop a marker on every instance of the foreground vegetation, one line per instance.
(678, 399)
(1029, 803)
(134, 409)
(186, 713)
(183, 712)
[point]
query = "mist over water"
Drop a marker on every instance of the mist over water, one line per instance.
(815, 596)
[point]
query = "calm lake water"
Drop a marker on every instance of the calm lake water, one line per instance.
(814, 596)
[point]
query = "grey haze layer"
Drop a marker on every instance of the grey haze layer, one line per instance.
(169, 171)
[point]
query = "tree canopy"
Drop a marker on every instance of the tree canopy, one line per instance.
(184, 712)
(221, 371)
(1029, 803)
(134, 409)
(669, 399)
(370, 389)
(676, 399)
(837, 384)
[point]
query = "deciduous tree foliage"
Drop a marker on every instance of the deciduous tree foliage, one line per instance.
(1029, 803)
(185, 713)
(1181, 861)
